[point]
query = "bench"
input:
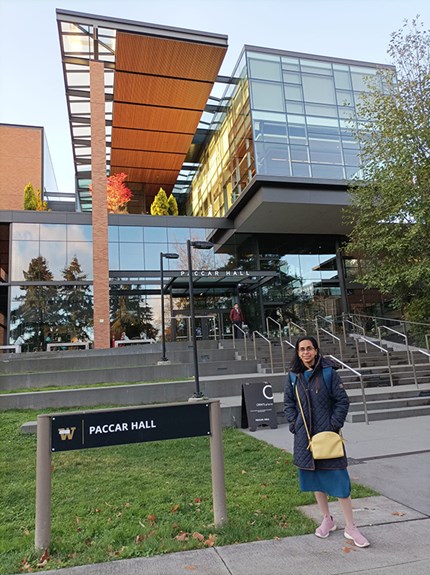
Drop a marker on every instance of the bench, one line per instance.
(14, 348)
(122, 342)
(59, 345)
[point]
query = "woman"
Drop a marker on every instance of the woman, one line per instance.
(325, 404)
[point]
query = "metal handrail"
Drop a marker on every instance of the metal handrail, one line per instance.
(334, 337)
(355, 325)
(427, 340)
(270, 347)
(297, 326)
(379, 347)
(280, 337)
(245, 339)
(363, 394)
(400, 321)
(424, 352)
(408, 353)
(329, 321)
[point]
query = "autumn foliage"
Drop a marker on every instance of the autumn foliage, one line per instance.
(118, 195)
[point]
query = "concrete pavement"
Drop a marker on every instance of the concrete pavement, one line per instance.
(392, 456)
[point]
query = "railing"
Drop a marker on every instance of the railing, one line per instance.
(268, 319)
(334, 337)
(427, 340)
(380, 348)
(424, 352)
(245, 338)
(360, 376)
(412, 328)
(408, 353)
(299, 327)
(356, 325)
(254, 334)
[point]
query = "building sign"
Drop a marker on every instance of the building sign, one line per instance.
(216, 273)
(257, 406)
(116, 427)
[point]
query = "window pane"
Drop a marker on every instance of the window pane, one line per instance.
(301, 170)
(324, 151)
(23, 252)
(328, 172)
(113, 233)
(56, 258)
(293, 92)
(177, 235)
(265, 70)
(267, 96)
(79, 233)
(152, 255)
(130, 234)
(83, 251)
(114, 256)
(131, 256)
(317, 89)
(155, 234)
(299, 153)
(25, 232)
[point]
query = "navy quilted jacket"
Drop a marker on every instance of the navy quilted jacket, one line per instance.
(324, 411)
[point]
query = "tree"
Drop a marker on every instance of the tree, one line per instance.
(39, 307)
(173, 206)
(390, 210)
(118, 195)
(160, 205)
(77, 304)
(33, 199)
(130, 314)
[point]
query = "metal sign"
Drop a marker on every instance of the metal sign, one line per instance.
(120, 426)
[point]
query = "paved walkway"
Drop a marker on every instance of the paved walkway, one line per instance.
(392, 456)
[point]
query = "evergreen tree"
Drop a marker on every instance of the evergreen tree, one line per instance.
(173, 206)
(77, 303)
(40, 305)
(160, 205)
(30, 201)
(390, 210)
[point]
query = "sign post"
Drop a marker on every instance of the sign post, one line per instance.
(89, 429)
(257, 406)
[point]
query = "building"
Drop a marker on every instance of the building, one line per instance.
(261, 172)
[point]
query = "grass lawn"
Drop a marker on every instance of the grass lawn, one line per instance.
(143, 499)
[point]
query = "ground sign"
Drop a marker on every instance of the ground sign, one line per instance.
(117, 427)
(86, 429)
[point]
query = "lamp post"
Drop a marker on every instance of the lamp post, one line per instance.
(198, 245)
(168, 256)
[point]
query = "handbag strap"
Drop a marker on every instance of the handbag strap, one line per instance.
(303, 415)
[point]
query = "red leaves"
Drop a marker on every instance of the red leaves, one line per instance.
(118, 195)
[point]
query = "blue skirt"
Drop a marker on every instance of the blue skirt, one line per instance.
(334, 482)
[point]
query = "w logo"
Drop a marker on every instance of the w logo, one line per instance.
(66, 432)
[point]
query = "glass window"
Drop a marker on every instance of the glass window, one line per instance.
(131, 256)
(319, 89)
(56, 257)
(290, 63)
(265, 70)
(296, 127)
(155, 234)
(79, 233)
(291, 77)
(113, 233)
(316, 67)
(266, 96)
(295, 107)
(270, 131)
(130, 234)
(83, 251)
(351, 157)
(177, 236)
(323, 151)
(22, 253)
(198, 234)
(272, 159)
(299, 153)
(293, 92)
(342, 79)
(328, 172)
(301, 170)
(152, 255)
(344, 98)
(114, 256)
(321, 110)
(26, 232)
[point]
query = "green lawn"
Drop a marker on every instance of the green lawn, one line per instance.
(144, 499)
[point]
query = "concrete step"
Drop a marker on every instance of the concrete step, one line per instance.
(388, 403)
(378, 415)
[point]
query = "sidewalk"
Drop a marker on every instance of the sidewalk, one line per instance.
(392, 456)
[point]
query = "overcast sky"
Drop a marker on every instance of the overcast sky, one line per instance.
(31, 79)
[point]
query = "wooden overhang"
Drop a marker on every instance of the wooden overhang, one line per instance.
(161, 88)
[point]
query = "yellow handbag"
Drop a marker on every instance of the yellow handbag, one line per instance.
(323, 445)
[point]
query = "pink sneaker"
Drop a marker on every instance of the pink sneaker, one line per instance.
(326, 526)
(354, 534)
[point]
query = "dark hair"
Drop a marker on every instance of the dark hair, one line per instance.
(297, 366)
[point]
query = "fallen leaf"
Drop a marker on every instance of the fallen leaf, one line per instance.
(97, 510)
(243, 471)
(127, 504)
(398, 513)
(347, 549)
(183, 536)
(152, 518)
(190, 567)
(210, 541)
(284, 525)
(175, 508)
(140, 538)
(264, 496)
(277, 538)
(26, 566)
(44, 559)
(198, 536)
(197, 500)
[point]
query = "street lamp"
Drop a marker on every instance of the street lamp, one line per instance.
(198, 245)
(163, 335)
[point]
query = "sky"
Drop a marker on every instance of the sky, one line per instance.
(31, 79)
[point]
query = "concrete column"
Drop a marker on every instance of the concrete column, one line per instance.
(342, 280)
(99, 214)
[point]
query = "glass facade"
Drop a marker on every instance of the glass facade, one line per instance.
(288, 116)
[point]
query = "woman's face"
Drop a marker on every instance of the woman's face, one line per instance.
(307, 352)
